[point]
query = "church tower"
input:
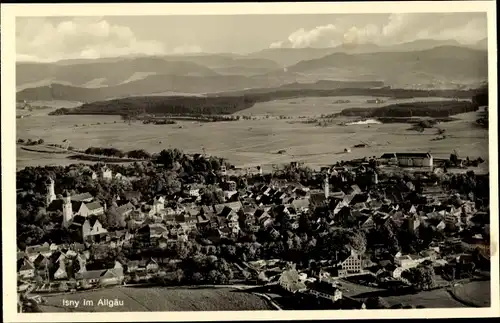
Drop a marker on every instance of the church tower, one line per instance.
(51, 195)
(67, 209)
(327, 187)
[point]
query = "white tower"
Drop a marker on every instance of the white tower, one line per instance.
(67, 209)
(327, 187)
(51, 195)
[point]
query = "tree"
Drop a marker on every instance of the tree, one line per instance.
(213, 276)
(115, 219)
(376, 303)
(179, 275)
(421, 277)
(197, 278)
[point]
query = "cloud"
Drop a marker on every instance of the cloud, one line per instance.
(44, 40)
(396, 28)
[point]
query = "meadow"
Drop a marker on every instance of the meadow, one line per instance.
(159, 299)
(255, 142)
(477, 293)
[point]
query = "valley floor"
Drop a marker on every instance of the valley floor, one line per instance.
(252, 142)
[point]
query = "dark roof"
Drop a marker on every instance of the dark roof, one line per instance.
(92, 220)
(79, 220)
(41, 261)
(388, 156)
(76, 205)
(317, 198)
(225, 211)
(24, 264)
(360, 198)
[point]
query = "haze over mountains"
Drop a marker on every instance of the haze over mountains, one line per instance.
(420, 64)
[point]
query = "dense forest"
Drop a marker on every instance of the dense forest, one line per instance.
(176, 105)
(434, 109)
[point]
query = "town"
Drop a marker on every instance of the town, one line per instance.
(398, 223)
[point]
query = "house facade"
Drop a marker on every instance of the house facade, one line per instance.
(352, 264)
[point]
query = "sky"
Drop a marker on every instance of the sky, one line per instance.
(56, 38)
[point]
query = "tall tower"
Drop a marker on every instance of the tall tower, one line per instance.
(327, 187)
(67, 209)
(51, 195)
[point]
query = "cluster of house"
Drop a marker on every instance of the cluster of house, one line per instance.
(272, 208)
(62, 267)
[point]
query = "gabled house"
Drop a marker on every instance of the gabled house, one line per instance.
(25, 268)
(60, 272)
(152, 266)
(353, 264)
(265, 220)
(91, 277)
(93, 230)
(158, 204)
(113, 276)
(32, 252)
(132, 266)
(94, 208)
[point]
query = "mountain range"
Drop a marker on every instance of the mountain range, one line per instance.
(425, 63)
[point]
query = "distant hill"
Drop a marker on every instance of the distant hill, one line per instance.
(155, 84)
(89, 80)
(444, 63)
(112, 72)
(291, 56)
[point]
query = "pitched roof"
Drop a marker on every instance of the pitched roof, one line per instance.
(20, 255)
(124, 208)
(236, 206)
(132, 194)
(81, 197)
(157, 229)
(93, 205)
(38, 248)
(24, 264)
(92, 274)
(93, 220)
(300, 203)
(413, 155)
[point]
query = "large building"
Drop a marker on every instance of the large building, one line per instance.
(409, 159)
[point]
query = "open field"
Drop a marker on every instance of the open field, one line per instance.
(160, 299)
(477, 293)
(251, 142)
(316, 106)
(439, 298)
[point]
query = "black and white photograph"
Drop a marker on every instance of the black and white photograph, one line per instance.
(253, 161)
